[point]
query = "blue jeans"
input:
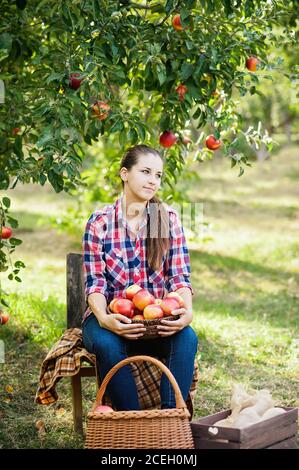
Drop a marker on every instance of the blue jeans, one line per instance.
(179, 350)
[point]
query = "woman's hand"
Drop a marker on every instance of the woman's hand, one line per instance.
(123, 326)
(168, 327)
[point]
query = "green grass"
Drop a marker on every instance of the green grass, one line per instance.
(245, 274)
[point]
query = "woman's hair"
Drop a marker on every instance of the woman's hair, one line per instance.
(158, 245)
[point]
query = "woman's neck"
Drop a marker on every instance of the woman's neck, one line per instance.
(132, 208)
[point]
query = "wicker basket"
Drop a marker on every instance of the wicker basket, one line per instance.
(139, 429)
(151, 325)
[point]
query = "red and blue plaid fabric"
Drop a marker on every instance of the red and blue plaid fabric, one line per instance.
(113, 259)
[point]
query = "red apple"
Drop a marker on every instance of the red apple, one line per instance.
(181, 90)
(125, 307)
(167, 139)
(111, 305)
(158, 301)
(176, 23)
(212, 143)
(75, 81)
(132, 290)
(16, 130)
(168, 305)
(138, 317)
(176, 296)
(4, 317)
(152, 312)
(100, 110)
(6, 232)
(251, 63)
(103, 409)
(142, 299)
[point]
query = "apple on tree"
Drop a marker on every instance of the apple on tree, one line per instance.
(75, 80)
(100, 110)
(251, 63)
(212, 143)
(167, 139)
(176, 22)
(6, 232)
(4, 317)
(181, 90)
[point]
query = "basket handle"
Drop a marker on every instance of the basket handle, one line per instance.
(180, 403)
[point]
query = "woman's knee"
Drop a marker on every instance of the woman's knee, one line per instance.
(188, 339)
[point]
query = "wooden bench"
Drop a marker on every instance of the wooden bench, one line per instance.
(76, 305)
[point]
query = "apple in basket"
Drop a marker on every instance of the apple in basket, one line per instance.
(132, 290)
(124, 306)
(103, 409)
(142, 299)
(176, 296)
(152, 312)
(138, 317)
(168, 305)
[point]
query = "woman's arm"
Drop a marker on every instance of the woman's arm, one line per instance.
(96, 290)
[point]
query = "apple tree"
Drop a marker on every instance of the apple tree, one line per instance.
(74, 73)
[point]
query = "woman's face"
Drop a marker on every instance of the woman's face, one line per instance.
(143, 180)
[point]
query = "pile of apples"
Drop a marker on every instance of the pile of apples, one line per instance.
(139, 304)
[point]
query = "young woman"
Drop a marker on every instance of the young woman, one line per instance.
(137, 240)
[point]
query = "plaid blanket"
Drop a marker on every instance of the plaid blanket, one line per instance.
(64, 360)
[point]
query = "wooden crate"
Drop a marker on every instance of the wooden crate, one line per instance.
(279, 432)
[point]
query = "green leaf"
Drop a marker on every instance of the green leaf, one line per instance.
(12, 222)
(186, 71)
(15, 241)
(54, 76)
(6, 202)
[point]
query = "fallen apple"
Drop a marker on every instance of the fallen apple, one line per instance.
(251, 63)
(167, 139)
(132, 290)
(176, 296)
(168, 305)
(212, 143)
(124, 307)
(142, 299)
(151, 312)
(6, 232)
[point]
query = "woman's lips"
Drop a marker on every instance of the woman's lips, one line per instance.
(149, 189)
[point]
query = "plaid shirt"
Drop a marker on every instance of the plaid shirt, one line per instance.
(113, 260)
